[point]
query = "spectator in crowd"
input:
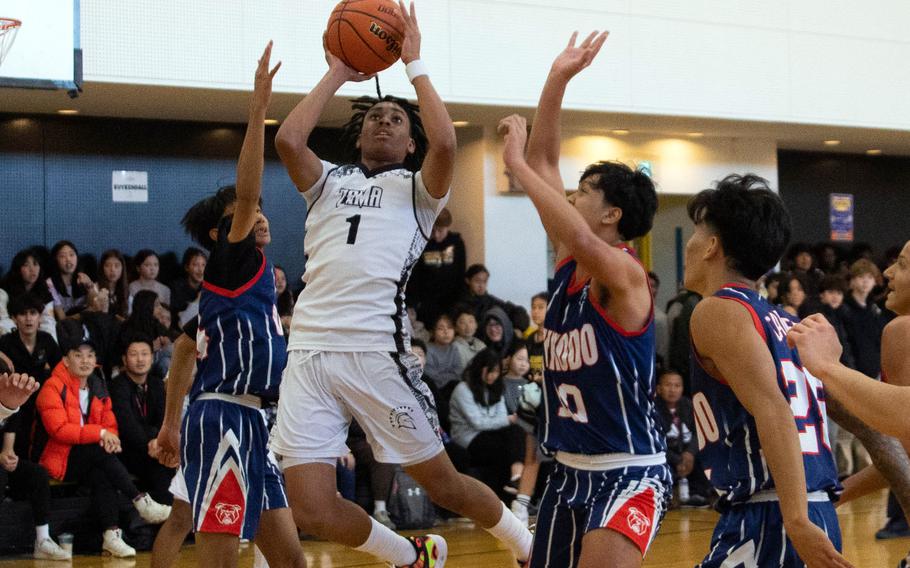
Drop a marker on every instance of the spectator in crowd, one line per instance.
(793, 293)
(802, 262)
(863, 319)
(829, 258)
(147, 264)
(465, 330)
(773, 287)
(482, 425)
(661, 325)
(476, 296)
(137, 398)
(112, 277)
(516, 368)
(535, 335)
(98, 324)
(831, 292)
(418, 329)
(69, 288)
(677, 420)
(285, 302)
(32, 352)
(679, 313)
(496, 330)
(25, 276)
(185, 290)
(143, 322)
(436, 279)
(444, 361)
(28, 480)
(82, 438)
(419, 348)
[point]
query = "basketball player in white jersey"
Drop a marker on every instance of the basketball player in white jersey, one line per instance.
(349, 351)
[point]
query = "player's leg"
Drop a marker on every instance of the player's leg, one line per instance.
(179, 524)
(277, 539)
(217, 550)
(557, 539)
(605, 543)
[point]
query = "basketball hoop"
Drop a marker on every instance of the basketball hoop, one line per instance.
(9, 27)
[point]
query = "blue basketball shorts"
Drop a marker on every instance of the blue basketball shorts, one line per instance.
(752, 534)
(629, 500)
(230, 475)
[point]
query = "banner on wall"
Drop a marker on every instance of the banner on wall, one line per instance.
(841, 216)
(130, 187)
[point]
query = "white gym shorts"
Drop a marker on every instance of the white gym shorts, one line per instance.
(321, 391)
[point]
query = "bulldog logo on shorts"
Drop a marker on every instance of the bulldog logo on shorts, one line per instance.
(400, 417)
(638, 521)
(227, 514)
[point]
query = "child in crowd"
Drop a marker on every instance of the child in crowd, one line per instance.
(68, 287)
(481, 423)
(465, 328)
(285, 301)
(535, 334)
(444, 361)
(677, 421)
(418, 329)
(481, 301)
(25, 275)
(516, 367)
(185, 290)
(148, 265)
(496, 330)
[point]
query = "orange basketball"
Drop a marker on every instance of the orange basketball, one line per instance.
(365, 34)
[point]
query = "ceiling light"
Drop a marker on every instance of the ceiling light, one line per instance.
(695, 134)
(874, 152)
(270, 121)
(67, 111)
(620, 132)
(832, 142)
(461, 123)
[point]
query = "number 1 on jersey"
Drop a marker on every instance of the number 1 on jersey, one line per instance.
(352, 231)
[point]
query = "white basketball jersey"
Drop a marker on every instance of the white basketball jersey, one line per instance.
(364, 233)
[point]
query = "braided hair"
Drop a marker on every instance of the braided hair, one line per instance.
(361, 106)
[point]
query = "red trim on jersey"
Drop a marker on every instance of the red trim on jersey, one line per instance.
(755, 319)
(235, 293)
(701, 363)
(563, 262)
(603, 313)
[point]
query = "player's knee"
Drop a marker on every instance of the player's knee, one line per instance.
(181, 518)
(447, 493)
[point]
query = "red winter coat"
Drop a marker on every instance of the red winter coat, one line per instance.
(58, 407)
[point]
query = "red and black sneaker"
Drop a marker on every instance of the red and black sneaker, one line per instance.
(432, 551)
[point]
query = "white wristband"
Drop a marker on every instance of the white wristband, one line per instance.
(416, 69)
(6, 412)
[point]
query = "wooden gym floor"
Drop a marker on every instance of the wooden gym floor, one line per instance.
(682, 542)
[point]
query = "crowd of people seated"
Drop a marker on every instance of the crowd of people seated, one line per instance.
(97, 335)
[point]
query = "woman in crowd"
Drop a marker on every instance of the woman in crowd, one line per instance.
(25, 276)
(444, 360)
(793, 293)
(112, 277)
(285, 301)
(482, 425)
(185, 290)
(68, 287)
(147, 264)
(516, 366)
(496, 330)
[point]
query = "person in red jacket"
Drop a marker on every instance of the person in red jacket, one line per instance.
(82, 438)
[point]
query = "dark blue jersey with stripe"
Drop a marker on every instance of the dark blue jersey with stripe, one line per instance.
(729, 448)
(599, 379)
(240, 343)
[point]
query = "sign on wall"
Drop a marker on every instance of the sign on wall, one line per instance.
(841, 216)
(130, 187)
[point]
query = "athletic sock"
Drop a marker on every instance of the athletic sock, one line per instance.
(42, 532)
(513, 534)
(388, 545)
(378, 507)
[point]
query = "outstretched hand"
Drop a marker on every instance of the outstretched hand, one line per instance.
(16, 388)
(514, 128)
(573, 59)
(815, 548)
(339, 68)
(410, 41)
(262, 84)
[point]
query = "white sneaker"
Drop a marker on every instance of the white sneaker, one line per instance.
(151, 511)
(113, 544)
(47, 549)
(383, 518)
(520, 511)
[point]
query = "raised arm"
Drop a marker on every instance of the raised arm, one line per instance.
(439, 163)
(744, 361)
(881, 406)
(607, 264)
(546, 131)
(303, 164)
(250, 164)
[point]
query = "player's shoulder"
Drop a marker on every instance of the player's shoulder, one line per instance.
(899, 327)
(719, 316)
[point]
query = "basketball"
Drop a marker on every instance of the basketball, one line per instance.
(365, 34)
